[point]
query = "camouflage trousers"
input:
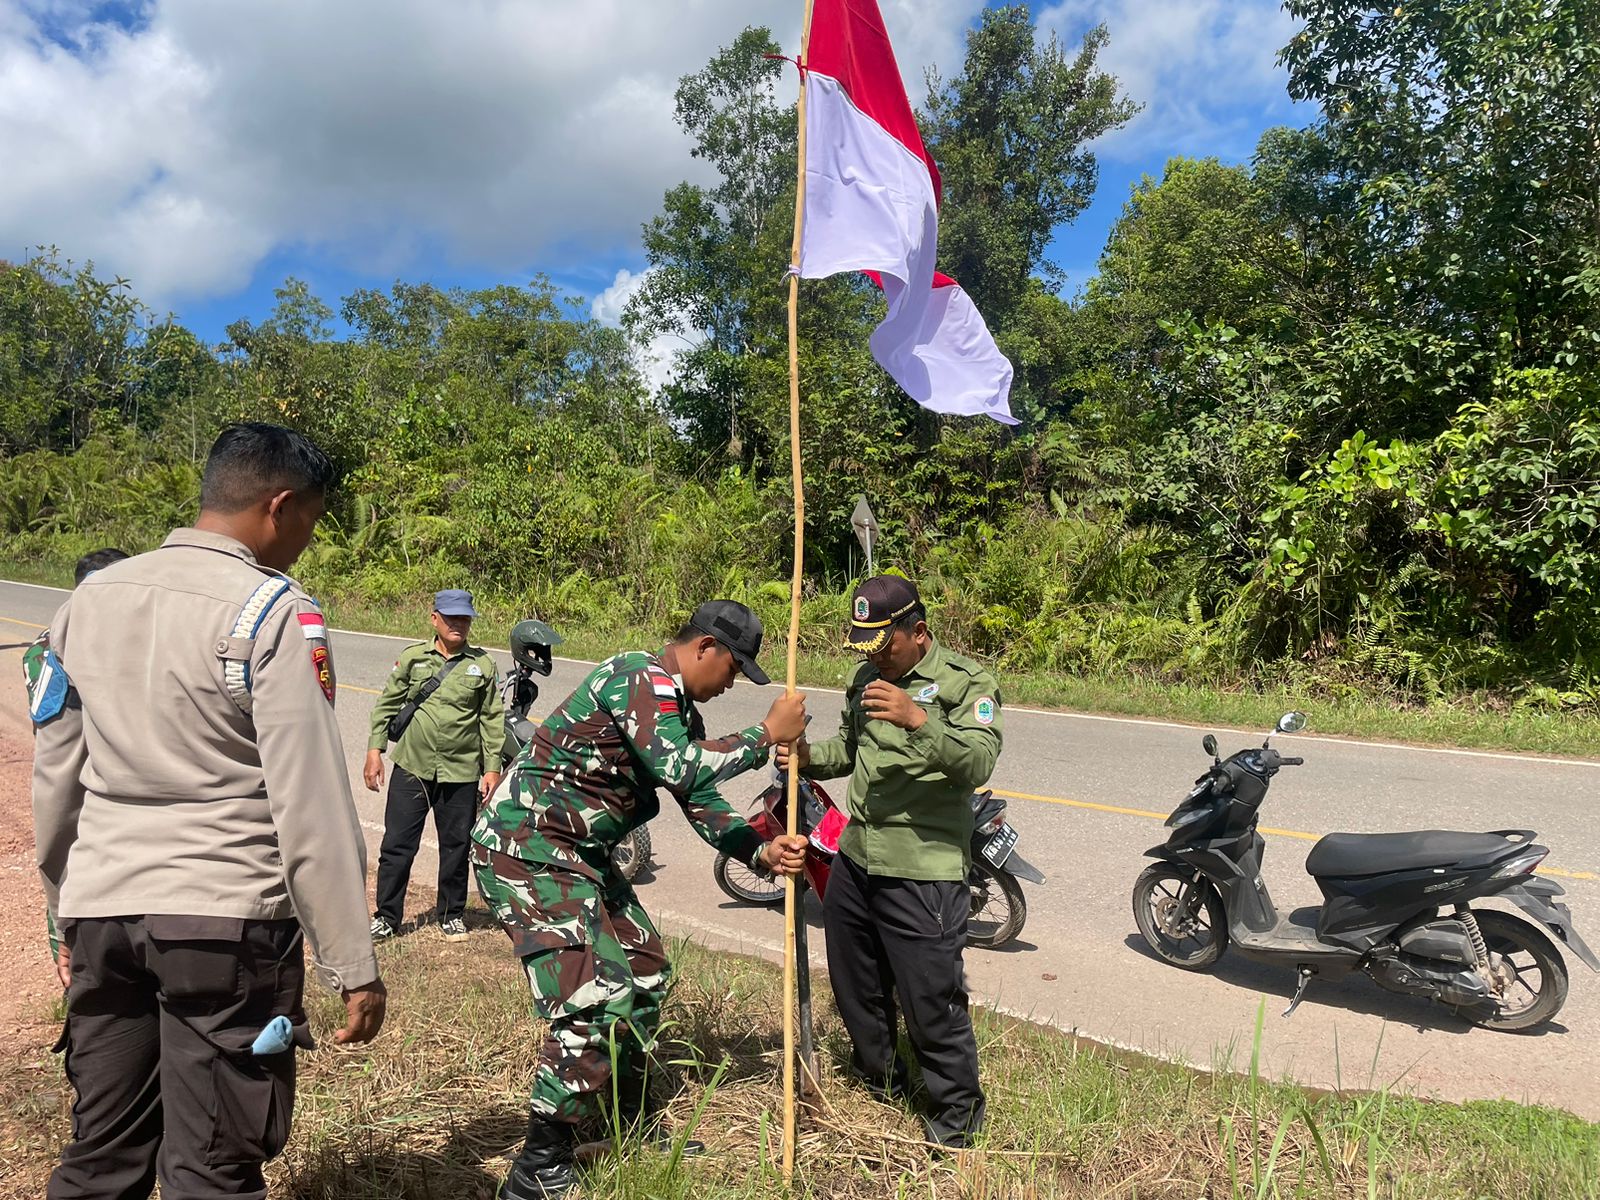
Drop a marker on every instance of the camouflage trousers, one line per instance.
(598, 972)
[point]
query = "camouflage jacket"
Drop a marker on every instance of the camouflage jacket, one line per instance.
(591, 772)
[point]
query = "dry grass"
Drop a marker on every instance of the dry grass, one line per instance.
(437, 1106)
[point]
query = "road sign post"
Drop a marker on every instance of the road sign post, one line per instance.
(866, 528)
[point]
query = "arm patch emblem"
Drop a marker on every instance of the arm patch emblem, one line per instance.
(315, 630)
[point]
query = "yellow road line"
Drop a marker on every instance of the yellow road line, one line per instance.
(1105, 808)
(1589, 876)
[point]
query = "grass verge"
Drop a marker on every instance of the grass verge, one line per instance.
(436, 1107)
(1479, 722)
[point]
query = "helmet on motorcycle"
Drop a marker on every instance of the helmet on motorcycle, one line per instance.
(530, 645)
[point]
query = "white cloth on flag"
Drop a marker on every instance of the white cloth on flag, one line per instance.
(872, 204)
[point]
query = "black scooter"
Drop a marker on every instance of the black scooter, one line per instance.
(1395, 905)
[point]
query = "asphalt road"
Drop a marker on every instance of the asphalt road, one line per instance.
(1088, 795)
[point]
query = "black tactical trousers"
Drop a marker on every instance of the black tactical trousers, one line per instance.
(901, 939)
(160, 1017)
(405, 813)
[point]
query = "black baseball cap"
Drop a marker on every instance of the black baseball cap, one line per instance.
(877, 604)
(737, 628)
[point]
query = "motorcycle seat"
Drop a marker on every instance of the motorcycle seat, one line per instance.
(1344, 855)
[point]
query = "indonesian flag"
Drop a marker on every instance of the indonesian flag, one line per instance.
(872, 205)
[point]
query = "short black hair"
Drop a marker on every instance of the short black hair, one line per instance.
(252, 460)
(909, 621)
(94, 560)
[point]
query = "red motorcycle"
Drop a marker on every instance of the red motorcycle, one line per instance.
(999, 908)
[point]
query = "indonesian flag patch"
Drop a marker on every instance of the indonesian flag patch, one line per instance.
(666, 692)
(315, 630)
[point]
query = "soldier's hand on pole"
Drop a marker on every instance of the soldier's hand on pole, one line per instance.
(372, 771)
(784, 855)
(780, 753)
(786, 719)
(363, 1013)
(64, 965)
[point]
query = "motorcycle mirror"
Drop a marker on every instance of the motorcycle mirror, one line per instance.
(1209, 744)
(1291, 722)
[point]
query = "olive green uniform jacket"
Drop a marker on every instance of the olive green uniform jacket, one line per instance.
(909, 800)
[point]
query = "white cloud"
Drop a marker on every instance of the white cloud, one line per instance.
(610, 305)
(496, 133)
(1205, 70)
(658, 359)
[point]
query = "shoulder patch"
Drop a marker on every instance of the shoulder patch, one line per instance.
(983, 710)
(315, 629)
(666, 692)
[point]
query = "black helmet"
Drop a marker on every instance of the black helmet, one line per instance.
(530, 645)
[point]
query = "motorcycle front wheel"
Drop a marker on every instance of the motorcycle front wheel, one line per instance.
(739, 882)
(1530, 976)
(998, 907)
(632, 853)
(1182, 920)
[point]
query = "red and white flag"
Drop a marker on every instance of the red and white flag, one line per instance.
(872, 205)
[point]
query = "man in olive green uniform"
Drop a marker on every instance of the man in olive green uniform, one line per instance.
(448, 756)
(194, 829)
(920, 732)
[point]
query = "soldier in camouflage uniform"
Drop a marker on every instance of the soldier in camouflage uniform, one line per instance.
(542, 858)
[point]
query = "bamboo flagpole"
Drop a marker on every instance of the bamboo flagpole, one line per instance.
(791, 891)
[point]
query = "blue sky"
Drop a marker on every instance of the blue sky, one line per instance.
(207, 149)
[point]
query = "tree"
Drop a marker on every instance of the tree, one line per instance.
(67, 346)
(1199, 240)
(714, 248)
(1011, 134)
(1473, 128)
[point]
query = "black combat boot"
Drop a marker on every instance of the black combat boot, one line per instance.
(544, 1168)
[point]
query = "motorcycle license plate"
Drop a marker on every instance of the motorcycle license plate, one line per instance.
(999, 846)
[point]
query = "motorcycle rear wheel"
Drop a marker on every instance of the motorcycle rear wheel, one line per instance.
(632, 853)
(998, 907)
(739, 882)
(1532, 970)
(1179, 938)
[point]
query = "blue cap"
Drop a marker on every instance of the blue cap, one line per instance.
(454, 602)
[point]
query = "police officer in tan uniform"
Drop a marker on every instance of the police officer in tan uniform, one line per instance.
(195, 830)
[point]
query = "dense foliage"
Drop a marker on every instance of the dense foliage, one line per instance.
(1330, 417)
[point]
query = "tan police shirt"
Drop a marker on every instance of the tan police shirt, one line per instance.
(161, 796)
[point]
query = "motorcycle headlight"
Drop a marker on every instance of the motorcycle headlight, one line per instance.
(1182, 817)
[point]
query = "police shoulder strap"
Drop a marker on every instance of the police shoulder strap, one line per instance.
(236, 649)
